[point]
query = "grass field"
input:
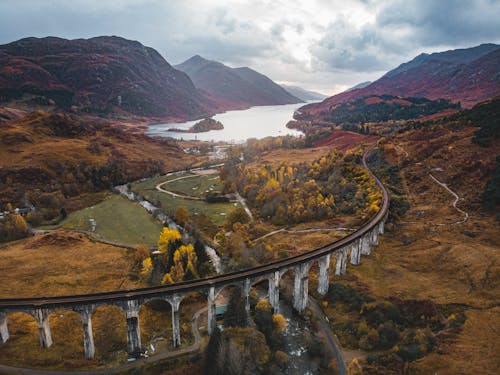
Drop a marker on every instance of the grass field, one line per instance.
(193, 186)
(117, 219)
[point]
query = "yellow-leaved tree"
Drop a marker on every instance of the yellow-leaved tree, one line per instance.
(184, 267)
(167, 236)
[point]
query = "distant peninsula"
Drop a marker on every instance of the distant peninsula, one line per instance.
(202, 126)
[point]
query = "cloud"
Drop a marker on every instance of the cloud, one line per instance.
(403, 29)
(325, 45)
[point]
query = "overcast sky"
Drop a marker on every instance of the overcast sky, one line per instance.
(324, 45)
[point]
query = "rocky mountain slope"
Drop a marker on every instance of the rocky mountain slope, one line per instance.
(468, 76)
(234, 87)
(103, 75)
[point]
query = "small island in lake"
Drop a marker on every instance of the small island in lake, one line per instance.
(201, 127)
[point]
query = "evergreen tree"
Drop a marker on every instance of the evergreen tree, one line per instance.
(236, 315)
(211, 352)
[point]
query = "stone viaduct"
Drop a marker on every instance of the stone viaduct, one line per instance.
(348, 249)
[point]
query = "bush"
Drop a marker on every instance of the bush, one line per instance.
(343, 293)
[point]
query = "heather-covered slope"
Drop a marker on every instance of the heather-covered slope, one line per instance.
(468, 76)
(103, 75)
(234, 87)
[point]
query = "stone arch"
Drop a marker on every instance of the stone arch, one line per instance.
(109, 329)
(20, 326)
(67, 333)
(220, 289)
(155, 316)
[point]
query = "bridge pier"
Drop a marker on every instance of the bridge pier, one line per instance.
(88, 336)
(175, 302)
(212, 320)
(246, 293)
(42, 319)
(4, 329)
(381, 226)
(374, 237)
(323, 280)
(341, 262)
(300, 290)
(274, 291)
(365, 244)
(134, 346)
(355, 253)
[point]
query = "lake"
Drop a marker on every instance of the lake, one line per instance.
(255, 122)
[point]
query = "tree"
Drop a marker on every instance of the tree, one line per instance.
(236, 315)
(238, 215)
(279, 322)
(141, 253)
(147, 268)
(167, 236)
(181, 216)
(211, 352)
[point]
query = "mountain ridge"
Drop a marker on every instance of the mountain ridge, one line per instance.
(234, 87)
(432, 78)
(102, 75)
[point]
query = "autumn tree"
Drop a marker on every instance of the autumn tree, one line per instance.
(181, 216)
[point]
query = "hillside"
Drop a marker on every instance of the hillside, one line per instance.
(52, 158)
(234, 87)
(382, 108)
(302, 94)
(468, 76)
(103, 75)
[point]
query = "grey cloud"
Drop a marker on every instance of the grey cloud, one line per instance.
(403, 29)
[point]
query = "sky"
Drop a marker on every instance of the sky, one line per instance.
(322, 45)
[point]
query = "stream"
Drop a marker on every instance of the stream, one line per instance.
(159, 215)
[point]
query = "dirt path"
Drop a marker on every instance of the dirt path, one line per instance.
(159, 188)
(137, 365)
(442, 184)
(454, 204)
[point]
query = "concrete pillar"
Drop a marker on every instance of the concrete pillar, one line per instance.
(88, 336)
(42, 319)
(374, 236)
(323, 280)
(341, 262)
(246, 293)
(301, 284)
(133, 328)
(355, 252)
(274, 291)
(365, 244)
(381, 227)
(175, 302)
(212, 320)
(4, 329)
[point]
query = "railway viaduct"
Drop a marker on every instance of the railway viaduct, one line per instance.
(348, 249)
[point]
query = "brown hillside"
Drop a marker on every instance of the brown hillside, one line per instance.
(60, 152)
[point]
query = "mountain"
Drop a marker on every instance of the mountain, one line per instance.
(358, 86)
(468, 76)
(303, 94)
(234, 87)
(102, 75)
